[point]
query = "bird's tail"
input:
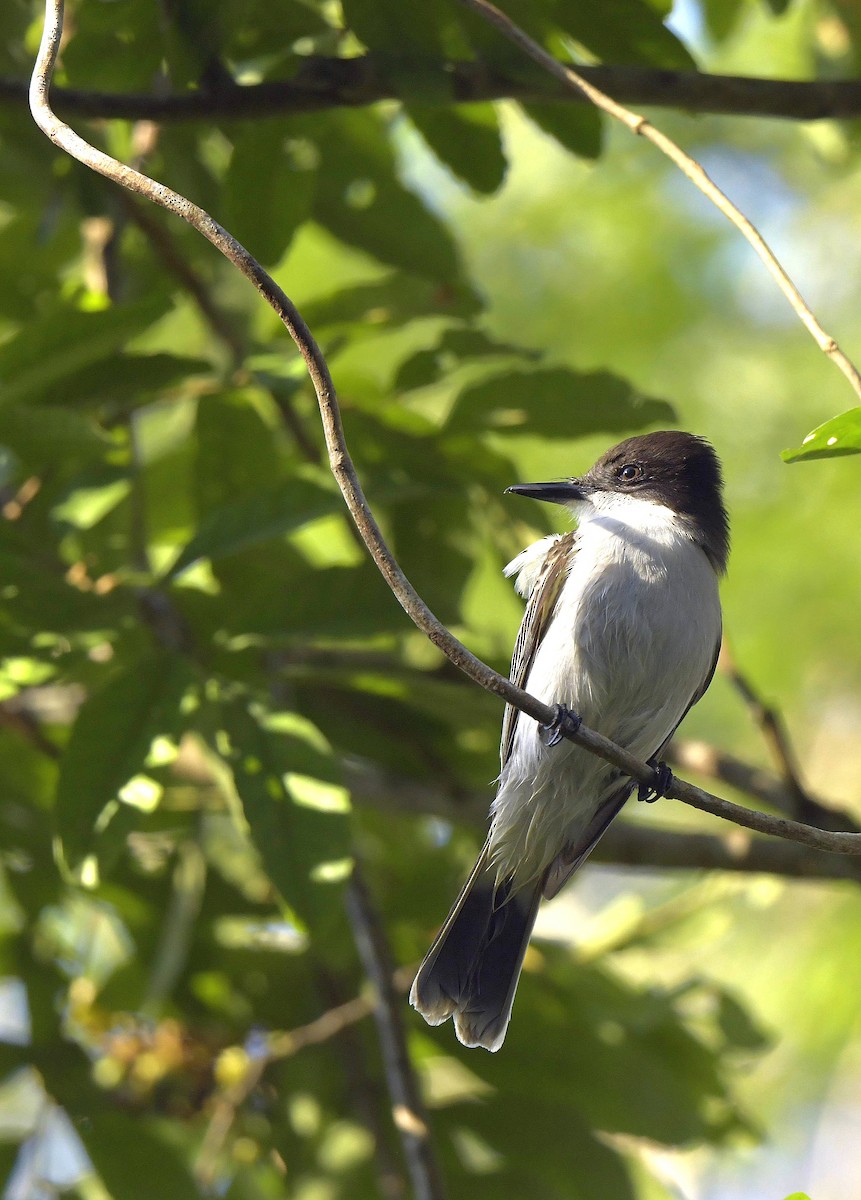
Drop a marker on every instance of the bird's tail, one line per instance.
(471, 970)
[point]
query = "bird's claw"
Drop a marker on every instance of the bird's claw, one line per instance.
(564, 722)
(650, 792)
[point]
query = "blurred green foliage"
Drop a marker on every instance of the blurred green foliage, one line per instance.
(198, 657)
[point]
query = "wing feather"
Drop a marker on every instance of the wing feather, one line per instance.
(540, 608)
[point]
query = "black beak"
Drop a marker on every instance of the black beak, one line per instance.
(563, 491)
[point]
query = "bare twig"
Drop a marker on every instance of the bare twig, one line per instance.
(279, 1046)
(638, 124)
(321, 83)
(345, 474)
(645, 847)
(367, 1095)
(776, 738)
(756, 782)
(408, 1109)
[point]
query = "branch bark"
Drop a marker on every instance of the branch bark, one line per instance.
(322, 83)
(408, 1109)
(342, 465)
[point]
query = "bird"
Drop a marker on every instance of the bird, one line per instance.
(622, 630)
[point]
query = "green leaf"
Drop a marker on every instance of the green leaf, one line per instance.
(737, 1025)
(129, 1154)
(268, 188)
(35, 363)
(141, 376)
(37, 598)
(114, 49)
(466, 140)
(297, 813)
(365, 204)
(554, 401)
(722, 16)
(627, 31)
(407, 32)
(256, 518)
(455, 346)
(45, 434)
(394, 300)
(111, 739)
(577, 127)
(840, 435)
(91, 496)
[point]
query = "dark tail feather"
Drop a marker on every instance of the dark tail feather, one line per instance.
(471, 970)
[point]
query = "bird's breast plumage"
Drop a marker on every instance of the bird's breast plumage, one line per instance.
(630, 644)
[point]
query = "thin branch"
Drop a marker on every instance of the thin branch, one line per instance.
(637, 124)
(367, 1095)
(280, 1046)
(321, 83)
(645, 847)
(331, 1022)
(408, 1110)
(345, 474)
(763, 786)
(803, 807)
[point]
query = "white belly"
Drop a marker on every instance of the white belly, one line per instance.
(632, 641)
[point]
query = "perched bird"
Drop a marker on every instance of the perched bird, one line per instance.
(623, 628)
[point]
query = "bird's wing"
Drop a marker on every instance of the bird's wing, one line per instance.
(543, 596)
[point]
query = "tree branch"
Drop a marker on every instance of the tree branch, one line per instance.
(408, 1109)
(801, 805)
(627, 843)
(344, 470)
(706, 760)
(321, 83)
(637, 124)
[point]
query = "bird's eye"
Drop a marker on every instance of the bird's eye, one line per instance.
(629, 472)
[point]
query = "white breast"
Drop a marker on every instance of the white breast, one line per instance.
(632, 641)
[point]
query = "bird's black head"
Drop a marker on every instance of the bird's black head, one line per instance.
(676, 470)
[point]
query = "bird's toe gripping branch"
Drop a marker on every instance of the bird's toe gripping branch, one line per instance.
(650, 792)
(564, 722)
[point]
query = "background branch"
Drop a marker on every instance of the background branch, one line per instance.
(322, 83)
(408, 1109)
(628, 843)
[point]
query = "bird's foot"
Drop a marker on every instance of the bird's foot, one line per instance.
(650, 792)
(564, 722)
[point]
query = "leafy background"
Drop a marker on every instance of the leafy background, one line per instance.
(210, 701)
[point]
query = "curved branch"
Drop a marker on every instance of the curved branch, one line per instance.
(322, 83)
(345, 473)
(689, 167)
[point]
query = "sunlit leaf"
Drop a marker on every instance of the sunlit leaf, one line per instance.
(269, 513)
(297, 813)
(111, 739)
(840, 435)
